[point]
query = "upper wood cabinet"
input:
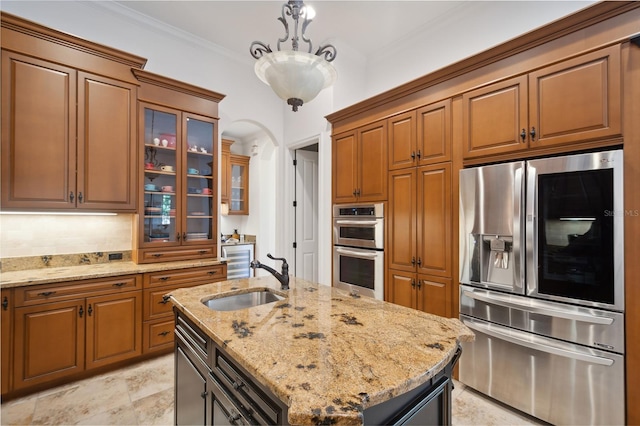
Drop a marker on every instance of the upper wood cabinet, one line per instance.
(573, 101)
(420, 222)
(225, 170)
(68, 121)
(360, 164)
(420, 137)
(238, 184)
(178, 139)
(68, 138)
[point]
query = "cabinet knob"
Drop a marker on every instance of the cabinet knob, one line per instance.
(419, 262)
(178, 236)
(413, 283)
(80, 197)
(81, 311)
(355, 192)
(89, 310)
(523, 135)
(204, 394)
(419, 154)
(413, 155)
(419, 284)
(413, 261)
(533, 133)
(71, 197)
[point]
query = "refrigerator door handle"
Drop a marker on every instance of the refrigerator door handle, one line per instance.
(517, 230)
(533, 342)
(497, 299)
(531, 231)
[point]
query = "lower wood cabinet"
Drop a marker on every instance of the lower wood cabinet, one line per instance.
(426, 293)
(59, 332)
(6, 334)
(158, 322)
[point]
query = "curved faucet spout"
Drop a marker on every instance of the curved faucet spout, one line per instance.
(282, 277)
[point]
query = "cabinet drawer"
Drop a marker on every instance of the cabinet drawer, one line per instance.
(33, 295)
(183, 277)
(158, 335)
(155, 304)
(262, 408)
(167, 255)
(194, 337)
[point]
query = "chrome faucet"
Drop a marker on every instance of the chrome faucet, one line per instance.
(282, 277)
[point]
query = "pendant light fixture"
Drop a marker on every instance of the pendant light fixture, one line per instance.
(296, 76)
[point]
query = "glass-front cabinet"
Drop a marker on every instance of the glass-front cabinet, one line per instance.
(239, 193)
(178, 185)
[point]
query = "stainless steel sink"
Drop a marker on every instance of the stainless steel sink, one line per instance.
(242, 301)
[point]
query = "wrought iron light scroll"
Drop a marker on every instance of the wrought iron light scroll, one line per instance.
(296, 76)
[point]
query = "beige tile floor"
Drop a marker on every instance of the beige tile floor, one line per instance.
(142, 394)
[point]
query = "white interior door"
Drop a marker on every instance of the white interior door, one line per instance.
(306, 215)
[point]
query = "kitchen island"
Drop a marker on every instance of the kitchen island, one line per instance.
(318, 356)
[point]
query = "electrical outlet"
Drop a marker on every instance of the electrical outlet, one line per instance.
(115, 256)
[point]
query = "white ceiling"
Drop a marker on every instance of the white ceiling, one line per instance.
(364, 25)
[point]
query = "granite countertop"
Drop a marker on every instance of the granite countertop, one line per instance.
(326, 354)
(101, 270)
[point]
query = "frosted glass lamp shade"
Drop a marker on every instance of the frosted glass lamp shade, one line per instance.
(294, 76)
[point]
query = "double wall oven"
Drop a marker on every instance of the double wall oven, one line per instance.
(542, 285)
(358, 249)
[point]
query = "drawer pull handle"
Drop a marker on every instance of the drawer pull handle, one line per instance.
(212, 272)
(165, 299)
(81, 311)
(118, 284)
(204, 394)
(164, 278)
(46, 293)
(164, 333)
(5, 303)
(156, 254)
(233, 417)
(237, 385)
(202, 251)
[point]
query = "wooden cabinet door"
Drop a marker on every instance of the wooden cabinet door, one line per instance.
(107, 144)
(6, 322)
(402, 141)
(401, 288)
(48, 342)
(225, 170)
(372, 177)
(114, 328)
(434, 220)
(38, 133)
(576, 100)
(493, 118)
(401, 220)
(345, 163)
(434, 133)
(434, 295)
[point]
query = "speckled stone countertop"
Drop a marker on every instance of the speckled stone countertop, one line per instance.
(324, 353)
(101, 270)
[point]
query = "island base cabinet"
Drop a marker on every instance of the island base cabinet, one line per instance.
(190, 390)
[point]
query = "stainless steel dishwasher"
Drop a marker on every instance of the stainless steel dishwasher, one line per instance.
(238, 257)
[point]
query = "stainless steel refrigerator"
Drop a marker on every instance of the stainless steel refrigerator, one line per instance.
(542, 285)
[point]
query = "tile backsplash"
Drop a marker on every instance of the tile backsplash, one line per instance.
(48, 235)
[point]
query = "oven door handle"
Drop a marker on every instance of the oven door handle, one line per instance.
(356, 222)
(531, 341)
(497, 299)
(357, 253)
